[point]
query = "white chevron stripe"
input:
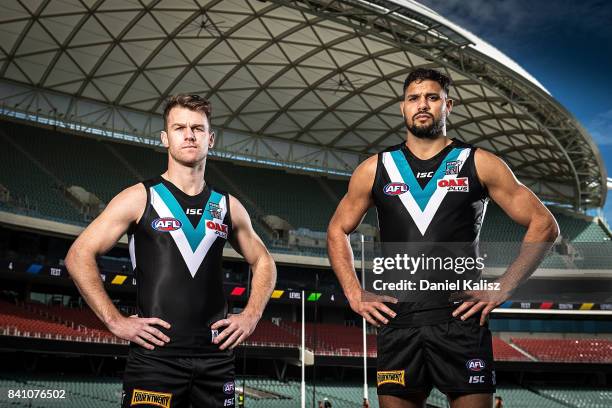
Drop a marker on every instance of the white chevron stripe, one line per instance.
(132, 249)
(193, 259)
(422, 219)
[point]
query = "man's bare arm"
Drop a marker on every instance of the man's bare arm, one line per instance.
(98, 238)
(523, 207)
(246, 241)
(348, 216)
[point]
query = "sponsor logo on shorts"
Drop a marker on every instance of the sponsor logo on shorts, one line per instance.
(391, 377)
(475, 364)
(228, 388)
(229, 402)
(395, 188)
(160, 399)
(460, 184)
(166, 224)
(213, 334)
(219, 229)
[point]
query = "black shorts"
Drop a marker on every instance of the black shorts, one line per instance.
(176, 382)
(455, 356)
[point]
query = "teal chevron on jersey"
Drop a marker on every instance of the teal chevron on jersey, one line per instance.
(421, 195)
(194, 235)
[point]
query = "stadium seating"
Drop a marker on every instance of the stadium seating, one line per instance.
(269, 393)
(52, 160)
(341, 395)
(504, 352)
(39, 196)
(77, 161)
(568, 350)
(79, 393)
(333, 339)
(578, 397)
(270, 335)
(518, 397)
(58, 322)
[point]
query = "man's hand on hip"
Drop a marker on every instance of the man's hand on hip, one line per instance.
(238, 327)
(371, 306)
(140, 330)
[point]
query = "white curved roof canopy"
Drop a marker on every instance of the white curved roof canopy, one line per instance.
(311, 83)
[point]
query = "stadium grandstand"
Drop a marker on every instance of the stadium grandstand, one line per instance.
(302, 92)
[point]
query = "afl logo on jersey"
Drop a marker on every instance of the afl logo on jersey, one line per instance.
(166, 224)
(395, 188)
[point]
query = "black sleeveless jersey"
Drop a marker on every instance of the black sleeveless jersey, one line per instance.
(176, 251)
(438, 200)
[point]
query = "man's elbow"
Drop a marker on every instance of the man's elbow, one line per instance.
(335, 232)
(550, 229)
(69, 260)
(73, 259)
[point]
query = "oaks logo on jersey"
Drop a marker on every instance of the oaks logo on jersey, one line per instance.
(457, 184)
(391, 377)
(166, 224)
(395, 188)
(218, 228)
(475, 364)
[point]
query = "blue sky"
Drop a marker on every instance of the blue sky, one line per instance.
(563, 44)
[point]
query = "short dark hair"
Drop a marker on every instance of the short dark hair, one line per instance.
(421, 74)
(192, 102)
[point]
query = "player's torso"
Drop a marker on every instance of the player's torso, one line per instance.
(434, 200)
(176, 251)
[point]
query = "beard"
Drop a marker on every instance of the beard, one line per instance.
(429, 131)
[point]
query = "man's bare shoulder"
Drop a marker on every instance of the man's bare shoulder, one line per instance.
(367, 168)
(485, 156)
(130, 202)
(135, 192)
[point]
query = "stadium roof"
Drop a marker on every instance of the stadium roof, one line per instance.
(297, 83)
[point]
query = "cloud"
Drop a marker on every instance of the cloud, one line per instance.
(514, 20)
(600, 128)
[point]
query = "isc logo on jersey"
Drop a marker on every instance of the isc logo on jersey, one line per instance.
(166, 224)
(457, 184)
(395, 188)
(218, 228)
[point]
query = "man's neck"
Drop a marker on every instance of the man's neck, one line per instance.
(426, 148)
(190, 180)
